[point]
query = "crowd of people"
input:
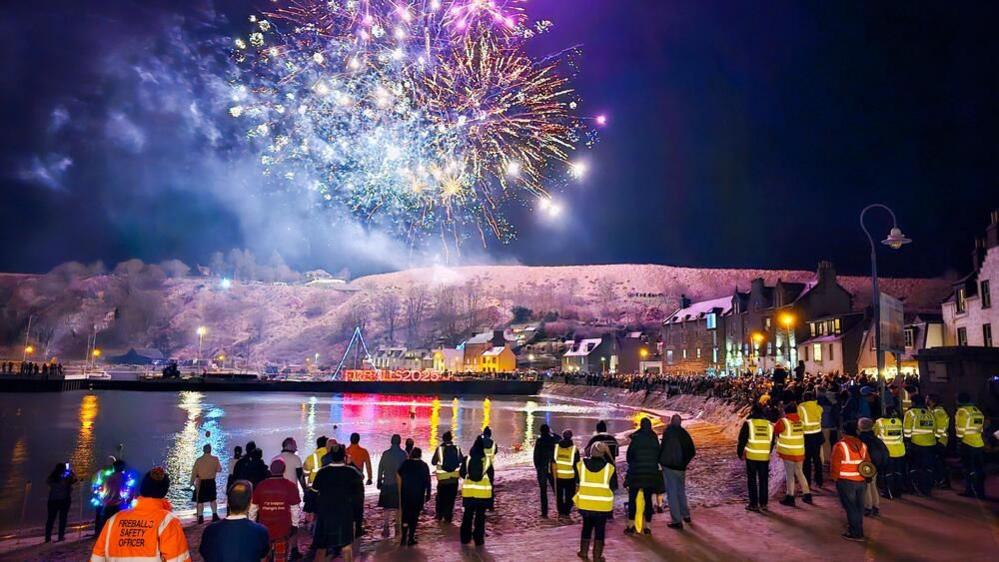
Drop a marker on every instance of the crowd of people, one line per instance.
(821, 428)
(31, 369)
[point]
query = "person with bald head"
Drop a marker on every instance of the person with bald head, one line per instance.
(236, 538)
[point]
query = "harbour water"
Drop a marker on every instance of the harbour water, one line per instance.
(169, 428)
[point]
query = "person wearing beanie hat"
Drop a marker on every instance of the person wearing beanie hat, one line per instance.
(879, 456)
(275, 505)
(161, 536)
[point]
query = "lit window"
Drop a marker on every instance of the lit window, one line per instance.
(910, 337)
(669, 356)
(712, 321)
(962, 337)
(811, 327)
(836, 325)
(684, 353)
(766, 323)
(817, 352)
(961, 301)
(698, 353)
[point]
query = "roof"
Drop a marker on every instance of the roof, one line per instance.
(699, 309)
(449, 353)
(494, 352)
(584, 347)
(484, 337)
(823, 339)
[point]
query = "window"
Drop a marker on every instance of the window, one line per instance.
(836, 325)
(770, 348)
(961, 301)
(698, 353)
(669, 356)
(685, 353)
(766, 324)
(817, 352)
(811, 328)
(987, 335)
(910, 337)
(962, 337)
(831, 358)
(986, 295)
(714, 355)
(712, 321)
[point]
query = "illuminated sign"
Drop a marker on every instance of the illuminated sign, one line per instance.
(374, 375)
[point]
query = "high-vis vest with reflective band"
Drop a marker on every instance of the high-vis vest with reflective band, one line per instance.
(968, 424)
(147, 533)
(482, 489)
(791, 441)
(441, 473)
(889, 431)
(811, 417)
(849, 469)
(563, 461)
(941, 423)
(313, 463)
(491, 452)
(920, 427)
(594, 493)
(761, 435)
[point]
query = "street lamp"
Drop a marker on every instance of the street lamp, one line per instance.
(787, 320)
(895, 240)
(201, 331)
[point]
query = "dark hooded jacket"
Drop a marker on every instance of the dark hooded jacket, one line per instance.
(643, 460)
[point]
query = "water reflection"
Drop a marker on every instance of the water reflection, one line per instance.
(16, 484)
(529, 409)
(435, 420)
(487, 410)
(201, 426)
(83, 457)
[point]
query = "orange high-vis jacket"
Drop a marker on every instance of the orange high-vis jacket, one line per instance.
(149, 532)
(846, 458)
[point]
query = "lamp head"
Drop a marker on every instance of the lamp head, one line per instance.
(896, 239)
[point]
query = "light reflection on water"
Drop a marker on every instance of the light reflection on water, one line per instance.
(170, 429)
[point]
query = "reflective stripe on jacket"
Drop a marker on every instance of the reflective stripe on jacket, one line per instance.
(482, 489)
(968, 425)
(941, 424)
(920, 427)
(149, 532)
(761, 436)
(441, 473)
(889, 431)
(313, 463)
(594, 493)
(563, 461)
(846, 459)
(791, 440)
(811, 417)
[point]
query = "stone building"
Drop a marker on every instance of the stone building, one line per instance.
(969, 316)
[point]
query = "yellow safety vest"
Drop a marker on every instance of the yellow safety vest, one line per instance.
(761, 435)
(563, 462)
(941, 423)
(811, 417)
(920, 427)
(968, 425)
(594, 493)
(491, 452)
(889, 431)
(441, 473)
(482, 489)
(791, 441)
(313, 464)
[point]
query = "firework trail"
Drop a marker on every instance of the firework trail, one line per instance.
(424, 116)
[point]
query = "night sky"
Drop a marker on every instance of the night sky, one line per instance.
(741, 134)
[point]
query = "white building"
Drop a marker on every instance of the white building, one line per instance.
(969, 316)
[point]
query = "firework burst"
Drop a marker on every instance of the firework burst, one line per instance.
(426, 116)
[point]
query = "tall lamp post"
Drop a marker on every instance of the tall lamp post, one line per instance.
(787, 319)
(895, 240)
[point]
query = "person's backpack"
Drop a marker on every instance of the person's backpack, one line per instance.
(671, 452)
(451, 459)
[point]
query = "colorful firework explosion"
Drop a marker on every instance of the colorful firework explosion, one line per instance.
(423, 115)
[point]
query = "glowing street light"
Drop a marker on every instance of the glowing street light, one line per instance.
(29, 349)
(96, 353)
(787, 320)
(643, 353)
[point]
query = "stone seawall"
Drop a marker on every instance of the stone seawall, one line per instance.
(726, 416)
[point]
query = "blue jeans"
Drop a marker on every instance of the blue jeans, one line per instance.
(676, 493)
(851, 495)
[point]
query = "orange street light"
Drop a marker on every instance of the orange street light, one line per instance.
(29, 349)
(757, 338)
(787, 319)
(644, 353)
(96, 353)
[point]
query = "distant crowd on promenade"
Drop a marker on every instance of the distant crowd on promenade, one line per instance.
(31, 369)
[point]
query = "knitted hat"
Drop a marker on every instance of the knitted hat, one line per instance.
(155, 483)
(865, 424)
(277, 467)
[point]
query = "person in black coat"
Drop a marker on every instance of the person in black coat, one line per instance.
(602, 436)
(643, 472)
(544, 454)
(676, 452)
(339, 486)
(878, 451)
(414, 489)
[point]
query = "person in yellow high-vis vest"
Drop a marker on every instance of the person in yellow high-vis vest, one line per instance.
(969, 422)
(791, 449)
(477, 475)
(564, 461)
(941, 429)
(756, 442)
(889, 431)
(596, 480)
(919, 430)
(810, 414)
